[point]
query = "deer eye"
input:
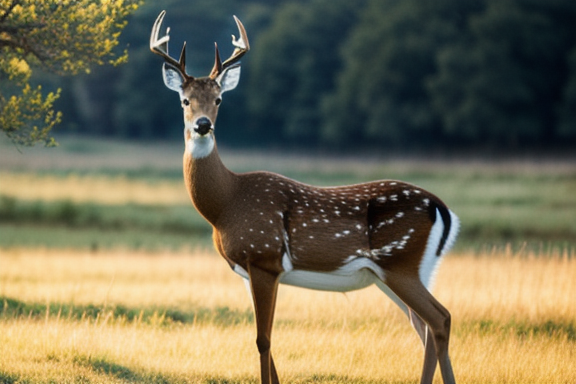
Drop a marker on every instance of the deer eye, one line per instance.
(186, 102)
(218, 101)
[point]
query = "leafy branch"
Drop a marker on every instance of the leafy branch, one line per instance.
(65, 37)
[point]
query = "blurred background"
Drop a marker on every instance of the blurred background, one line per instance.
(350, 75)
(474, 100)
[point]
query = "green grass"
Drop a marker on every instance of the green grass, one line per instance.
(173, 219)
(56, 236)
(526, 203)
(495, 208)
(68, 224)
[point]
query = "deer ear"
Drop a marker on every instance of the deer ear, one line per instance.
(229, 78)
(173, 78)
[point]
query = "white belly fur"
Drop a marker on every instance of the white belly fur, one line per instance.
(329, 281)
(357, 274)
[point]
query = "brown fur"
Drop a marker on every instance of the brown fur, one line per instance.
(261, 219)
(252, 212)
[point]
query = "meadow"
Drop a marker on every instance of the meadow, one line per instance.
(107, 274)
(120, 316)
(95, 193)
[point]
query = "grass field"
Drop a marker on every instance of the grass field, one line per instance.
(134, 316)
(106, 194)
(107, 274)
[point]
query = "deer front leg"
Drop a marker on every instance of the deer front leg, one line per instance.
(264, 286)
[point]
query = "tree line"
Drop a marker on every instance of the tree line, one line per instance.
(339, 73)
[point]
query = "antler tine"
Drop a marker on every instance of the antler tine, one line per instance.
(241, 47)
(160, 45)
(217, 69)
(182, 59)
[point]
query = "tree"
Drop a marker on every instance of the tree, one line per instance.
(295, 66)
(567, 127)
(502, 83)
(60, 36)
(381, 94)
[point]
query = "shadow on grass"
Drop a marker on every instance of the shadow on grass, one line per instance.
(103, 366)
(115, 371)
(524, 329)
(7, 378)
(221, 316)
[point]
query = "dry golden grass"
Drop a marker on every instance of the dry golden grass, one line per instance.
(112, 190)
(514, 321)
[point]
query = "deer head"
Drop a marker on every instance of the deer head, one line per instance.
(200, 97)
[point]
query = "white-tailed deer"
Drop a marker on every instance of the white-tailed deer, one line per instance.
(272, 229)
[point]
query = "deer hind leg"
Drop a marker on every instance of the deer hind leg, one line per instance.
(418, 300)
(430, 358)
(264, 286)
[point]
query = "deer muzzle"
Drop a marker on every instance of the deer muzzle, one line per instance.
(203, 126)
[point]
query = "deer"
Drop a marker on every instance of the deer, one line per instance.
(273, 230)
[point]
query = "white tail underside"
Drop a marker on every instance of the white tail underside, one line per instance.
(430, 260)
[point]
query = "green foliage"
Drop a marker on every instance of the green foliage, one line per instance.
(567, 128)
(478, 72)
(295, 66)
(364, 73)
(64, 37)
(388, 57)
(26, 116)
(503, 81)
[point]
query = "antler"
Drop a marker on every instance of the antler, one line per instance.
(242, 46)
(160, 46)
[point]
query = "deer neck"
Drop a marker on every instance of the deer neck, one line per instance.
(209, 183)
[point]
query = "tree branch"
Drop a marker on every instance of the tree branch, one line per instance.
(9, 10)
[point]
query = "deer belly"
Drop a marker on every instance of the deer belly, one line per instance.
(359, 273)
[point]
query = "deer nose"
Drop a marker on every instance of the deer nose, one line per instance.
(203, 126)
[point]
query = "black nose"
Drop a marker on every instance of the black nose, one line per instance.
(203, 125)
